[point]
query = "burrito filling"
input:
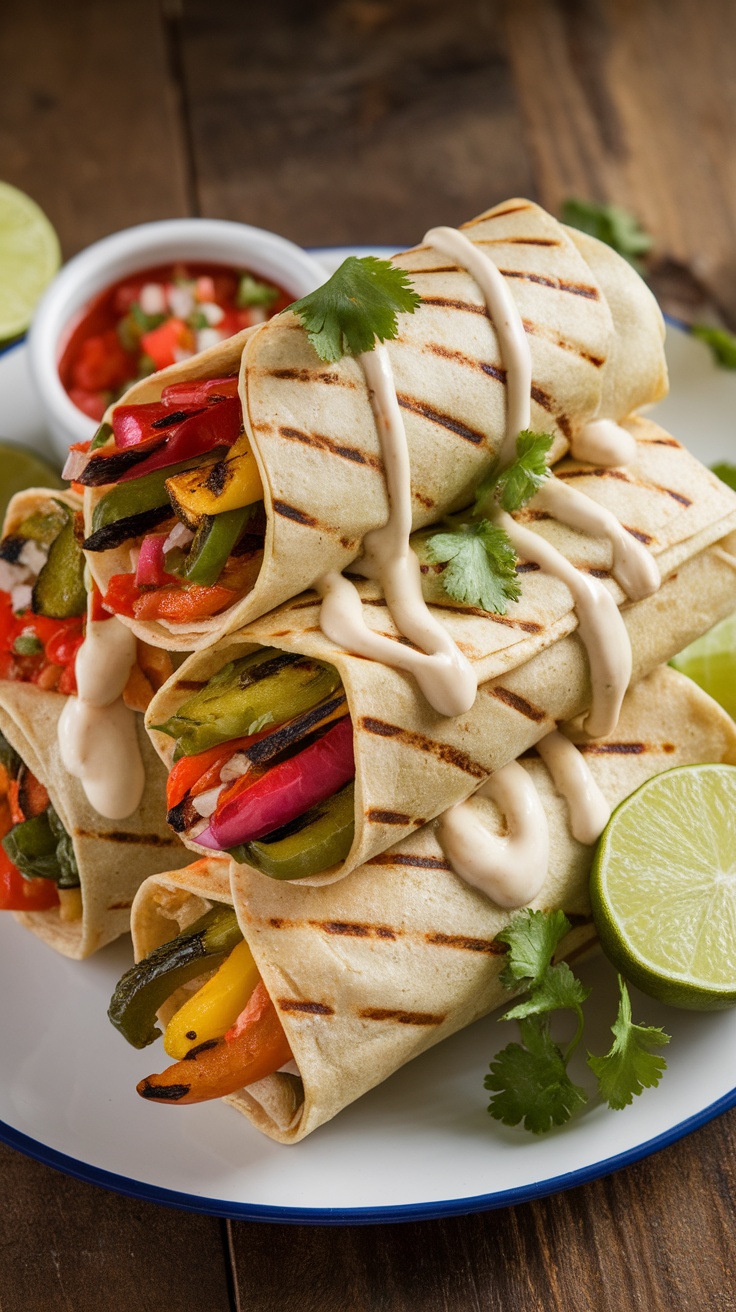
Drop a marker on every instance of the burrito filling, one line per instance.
(225, 1035)
(264, 765)
(181, 466)
(38, 869)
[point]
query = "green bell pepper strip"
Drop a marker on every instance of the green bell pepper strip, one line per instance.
(213, 543)
(236, 701)
(310, 845)
(142, 494)
(44, 525)
(59, 591)
(147, 985)
(40, 848)
(101, 437)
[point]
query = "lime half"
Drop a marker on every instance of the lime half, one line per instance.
(29, 258)
(711, 662)
(663, 887)
(19, 469)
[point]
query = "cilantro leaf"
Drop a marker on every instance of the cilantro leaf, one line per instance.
(721, 343)
(532, 938)
(530, 1083)
(515, 484)
(252, 292)
(630, 1066)
(481, 565)
(611, 224)
(356, 307)
(726, 473)
(558, 989)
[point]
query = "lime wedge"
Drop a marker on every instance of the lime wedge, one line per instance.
(710, 662)
(29, 258)
(663, 887)
(19, 469)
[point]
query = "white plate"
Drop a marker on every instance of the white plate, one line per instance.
(419, 1146)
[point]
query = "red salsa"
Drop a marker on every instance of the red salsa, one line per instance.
(154, 318)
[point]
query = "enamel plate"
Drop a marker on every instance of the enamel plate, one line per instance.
(422, 1144)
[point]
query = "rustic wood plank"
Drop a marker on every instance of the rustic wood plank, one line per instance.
(636, 103)
(67, 1245)
(656, 1236)
(89, 122)
(355, 121)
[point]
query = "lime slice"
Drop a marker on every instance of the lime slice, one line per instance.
(711, 662)
(663, 887)
(19, 469)
(29, 258)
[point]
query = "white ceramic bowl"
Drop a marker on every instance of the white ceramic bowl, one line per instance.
(126, 252)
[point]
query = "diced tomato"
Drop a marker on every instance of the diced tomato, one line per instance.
(204, 289)
(198, 393)
(181, 604)
(121, 595)
(68, 680)
(126, 294)
(97, 609)
(102, 364)
(19, 894)
(62, 647)
(164, 343)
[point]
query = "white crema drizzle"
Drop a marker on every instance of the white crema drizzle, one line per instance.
(603, 442)
(97, 733)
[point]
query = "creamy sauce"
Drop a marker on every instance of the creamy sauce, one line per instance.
(600, 625)
(588, 809)
(633, 566)
(439, 667)
(603, 442)
(97, 732)
(510, 870)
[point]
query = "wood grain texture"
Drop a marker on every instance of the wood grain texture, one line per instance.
(89, 115)
(70, 1247)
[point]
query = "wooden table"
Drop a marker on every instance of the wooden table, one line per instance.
(365, 121)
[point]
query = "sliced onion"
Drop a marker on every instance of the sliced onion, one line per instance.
(235, 768)
(150, 572)
(180, 536)
(205, 803)
(76, 463)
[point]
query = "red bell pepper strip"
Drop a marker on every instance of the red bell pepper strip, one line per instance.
(218, 425)
(133, 424)
(20, 894)
(250, 810)
(198, 393)
(195, 774)
(178, 605)
(121, 595)
(254, 1047)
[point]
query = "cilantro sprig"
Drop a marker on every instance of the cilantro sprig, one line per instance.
(611, 224)
(479, 557)
(356, 307)
(529, 1081)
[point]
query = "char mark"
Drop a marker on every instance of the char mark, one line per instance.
(353, 929)
(312, 376)
(518, 703)
(163, 1092)
(119, 836)
(402, 1017)
(526, 626)
(298, 516)
(558, 284)
(409, 859)
(639, 534)
(442, 751)
(323, 443)
(200, 1047)
(378, 817)
(306, 1008)
(189, 685)
(441, 419)
(614, 749)
(497, 214)
(450, 303)
(490, 946)
(518, 241)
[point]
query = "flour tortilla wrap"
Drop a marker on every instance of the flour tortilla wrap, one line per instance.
(412, 763)
(369, 973)
(596, 339)
(113, 856)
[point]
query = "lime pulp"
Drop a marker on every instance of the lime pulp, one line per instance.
(29, 258)
(710, 662)
(20, 469)
(663, 887)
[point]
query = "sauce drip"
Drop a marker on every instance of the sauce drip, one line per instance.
(633, 566)
(603, 442)
(510, 870)
(97, 731)
(588, 809)
(439, 667)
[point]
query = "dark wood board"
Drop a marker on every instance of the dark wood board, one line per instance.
(367, 121)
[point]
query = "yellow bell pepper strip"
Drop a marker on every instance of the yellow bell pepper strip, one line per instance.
(215, 1007)
(255, 1047)
(219, 485)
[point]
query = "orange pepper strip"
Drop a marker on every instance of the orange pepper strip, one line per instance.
(178, 605)
(189, 773)
(257, 1048)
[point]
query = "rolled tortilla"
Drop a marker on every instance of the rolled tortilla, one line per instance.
(412, 763)
(596, 338)
(113, 856)
(368, 974)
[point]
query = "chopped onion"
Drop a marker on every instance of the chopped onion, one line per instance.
(181, 301)
(12, 574)
(206, 803)
(152, 299)
(235, 768)
(214, 314)
(257, 314)
(180, 536)
(33, 556)
(207, 337)
(76, 463)
(21, 597)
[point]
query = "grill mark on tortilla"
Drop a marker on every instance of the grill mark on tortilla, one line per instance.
(449, 303)
(557, 284)
(323, 443)
(189, 685)
(527, 626)
(659, 441)
(442, 420)
(490, 946)
(119, 836)
(623, 477)
(518, 703)
(298, 516)
(517, 241)
(306, 1008)
(598, 573)
(424, 500)
(356, 929)
(639, 534)
(442, 751)
(615, 749)
(310, 376)
(496, 214)
(537, 330)
(379, 817)
(527, 567)
(402, 1017)
(409, 859)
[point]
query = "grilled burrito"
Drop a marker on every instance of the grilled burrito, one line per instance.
(225, 485)
(335, 988)
(67, 871)
(305, 760)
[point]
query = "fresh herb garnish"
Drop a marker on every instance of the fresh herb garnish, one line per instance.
(529, 1081)
(726, 473)
(356, 307)
(481, 561)
(721, 343)
(252, 292)
(27, 644)
(611, 224)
